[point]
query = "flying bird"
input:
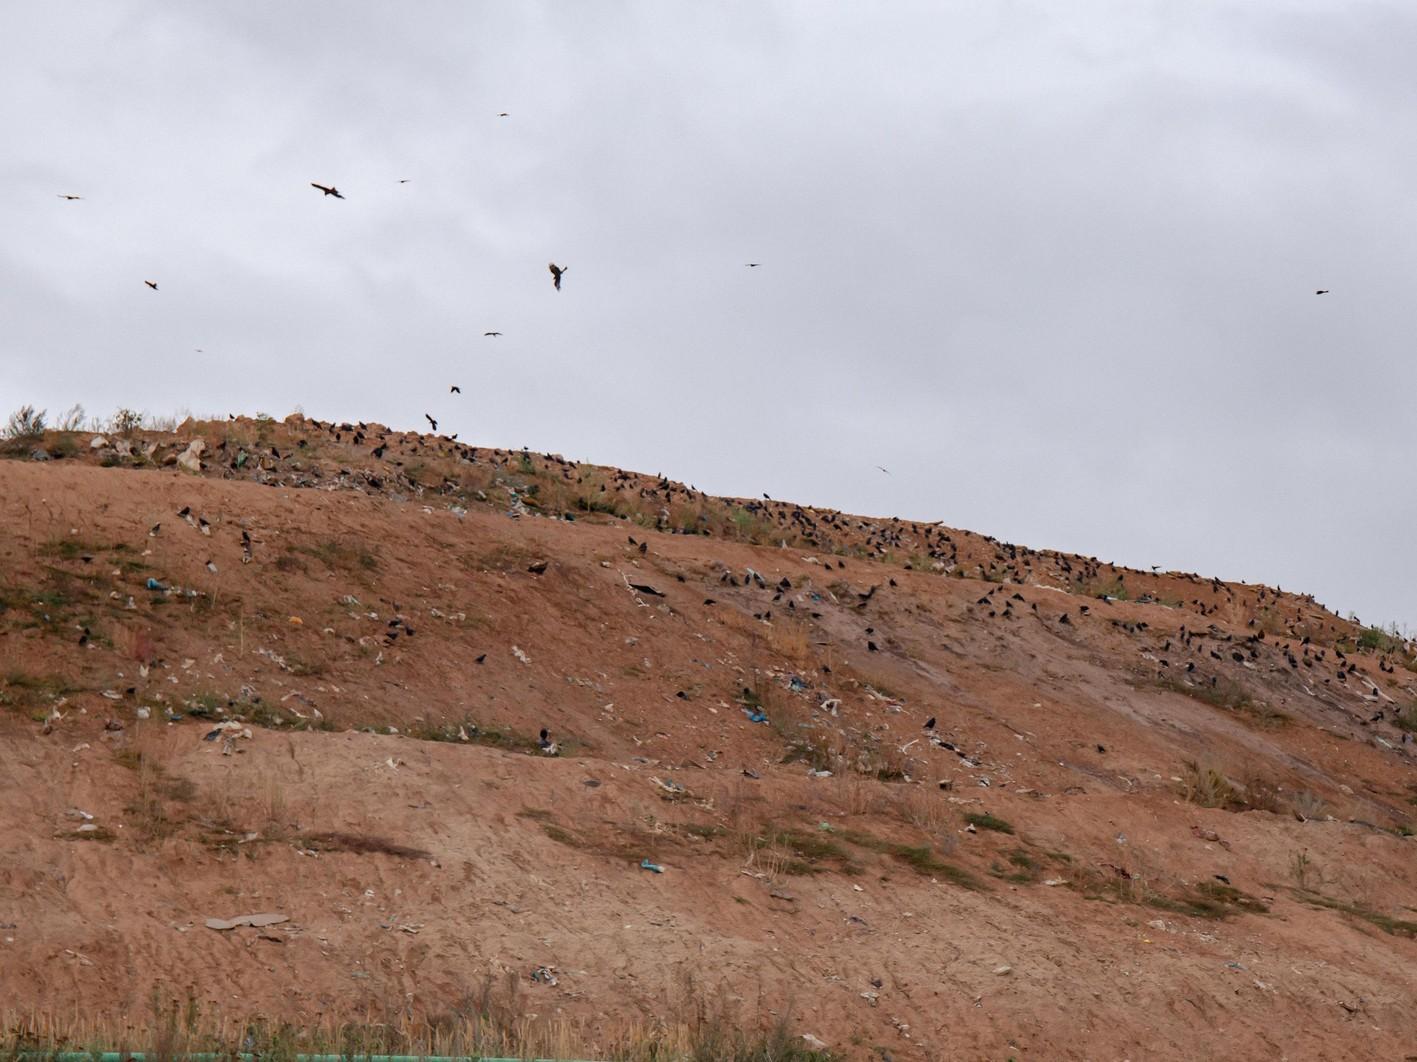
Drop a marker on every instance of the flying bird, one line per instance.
(63, 196)
(491, 333)
(887, 471)
(151, 283)
(402, 180)
(454, 390)
(328, 191)
(431, 421)
(504, 114)
(556, 272)
(1321, 291)
(753, 265)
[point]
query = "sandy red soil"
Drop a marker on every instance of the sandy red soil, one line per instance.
(860, 901)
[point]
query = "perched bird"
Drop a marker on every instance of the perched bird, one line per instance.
(1321, 291)
(63, 196)
(491, 333)
(151, 283)
(431, 421)
(481, 659)
(930, 723)
(454, 390)
(328, 191)
(556, 272)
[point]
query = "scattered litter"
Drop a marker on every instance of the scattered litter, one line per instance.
(517, 652)
(545, 975)
(1002, 970)
(796, 685)
(755, 715)
(1055, 881)
(153, 584)
(814, 1043)
(668, 785)
(257, 920)
(232, 726)
(191, 458)
(653, 868)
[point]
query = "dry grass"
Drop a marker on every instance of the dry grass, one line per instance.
(791, 640)
(502, 1015)
(153, 812)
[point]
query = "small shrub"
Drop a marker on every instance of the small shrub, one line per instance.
(985, 821)
(72, 419)
(26, 424)
(1379, 639)
(125, 422)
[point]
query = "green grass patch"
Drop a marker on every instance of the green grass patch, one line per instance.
(985, 821)
(1395, 926)
(919, 858)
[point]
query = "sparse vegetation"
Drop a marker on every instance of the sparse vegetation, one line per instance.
(497, 1017)
(358, 844)
(1380, 639)
(1395, 926)
(985, 821)
(1229, 696)
(26, 425)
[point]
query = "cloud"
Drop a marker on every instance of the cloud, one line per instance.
(1053, 267)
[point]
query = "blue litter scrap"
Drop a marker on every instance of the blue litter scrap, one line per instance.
(653, 868)
(756, 715)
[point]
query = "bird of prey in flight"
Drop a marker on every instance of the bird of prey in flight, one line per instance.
(328, 191)
(556, 272)
(151, 283)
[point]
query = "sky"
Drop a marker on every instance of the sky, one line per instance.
(1051, 265)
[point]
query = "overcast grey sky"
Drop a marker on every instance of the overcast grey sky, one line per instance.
(1053, 265)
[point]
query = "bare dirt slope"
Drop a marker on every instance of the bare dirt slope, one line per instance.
(1156, 816)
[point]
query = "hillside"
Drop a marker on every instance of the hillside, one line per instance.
(303, 668)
